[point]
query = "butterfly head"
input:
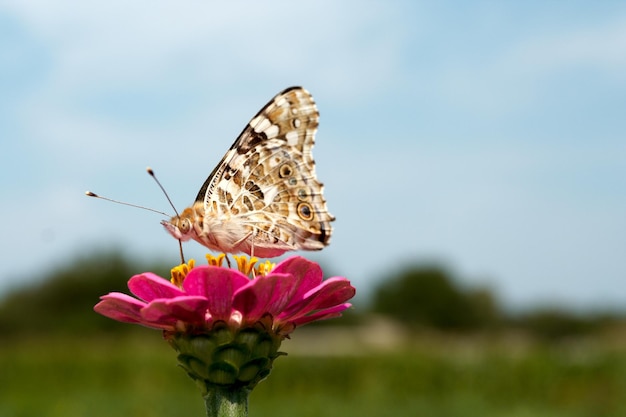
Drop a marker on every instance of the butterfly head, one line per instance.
(182, 227)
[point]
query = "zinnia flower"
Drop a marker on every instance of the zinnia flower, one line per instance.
(226, 326)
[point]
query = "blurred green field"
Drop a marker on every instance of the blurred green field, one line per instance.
(136, 375)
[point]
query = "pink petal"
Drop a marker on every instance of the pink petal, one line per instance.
(217, 285)
(282, 293)
(330, 293)
(124, 308)
(266, 294)
(333, 291)
(149, 286)
(307, 274)
(190, 309)
(322, 314)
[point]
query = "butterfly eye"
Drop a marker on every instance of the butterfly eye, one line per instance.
(184, 226)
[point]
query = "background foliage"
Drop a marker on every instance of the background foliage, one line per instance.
(442, 350)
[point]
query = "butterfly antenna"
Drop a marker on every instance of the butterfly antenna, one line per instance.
(90, 194)
(180, 242)
(151, 172)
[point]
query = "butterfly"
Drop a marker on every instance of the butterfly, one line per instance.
(263, 198)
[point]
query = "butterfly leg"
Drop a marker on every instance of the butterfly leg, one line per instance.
(243, 239)
(252, 253)
(180, 247)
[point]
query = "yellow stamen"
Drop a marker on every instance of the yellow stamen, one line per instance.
(245, 265)
(265, 268)
(179, 272)
(215, 260)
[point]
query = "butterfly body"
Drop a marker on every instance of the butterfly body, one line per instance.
(263, 198)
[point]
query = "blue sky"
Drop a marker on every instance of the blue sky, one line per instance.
(489, 136)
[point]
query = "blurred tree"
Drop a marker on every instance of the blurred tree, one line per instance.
(485, 308)
(427, 296)
(552, 323)
(63, 300)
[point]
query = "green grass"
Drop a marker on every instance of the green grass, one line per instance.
(137, 376)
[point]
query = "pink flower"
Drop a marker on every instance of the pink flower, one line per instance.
(226, 327)
(292, 294)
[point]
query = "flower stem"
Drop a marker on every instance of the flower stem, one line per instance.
(226, 402)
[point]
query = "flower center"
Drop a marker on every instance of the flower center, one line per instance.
(178, 273)
(246, 265)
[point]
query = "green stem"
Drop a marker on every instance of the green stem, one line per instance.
(225, 402)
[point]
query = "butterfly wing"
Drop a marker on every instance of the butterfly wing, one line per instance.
(266, 182)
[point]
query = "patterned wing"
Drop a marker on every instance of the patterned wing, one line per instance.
(267, 180)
